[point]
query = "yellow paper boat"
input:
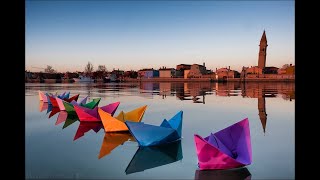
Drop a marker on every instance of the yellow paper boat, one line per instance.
(116, 124)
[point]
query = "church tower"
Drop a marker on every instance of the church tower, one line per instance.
(263, 51)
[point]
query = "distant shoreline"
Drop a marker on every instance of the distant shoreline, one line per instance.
(178, 80)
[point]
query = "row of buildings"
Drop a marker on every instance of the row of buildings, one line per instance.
(188, 71)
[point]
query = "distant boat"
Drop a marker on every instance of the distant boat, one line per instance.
(111, 78)
(84, 79)
(226, 149)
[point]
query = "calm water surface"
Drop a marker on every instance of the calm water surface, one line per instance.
(55, 147)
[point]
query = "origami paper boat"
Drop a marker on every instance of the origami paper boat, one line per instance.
(61, 105)
(113, 140)
(54, 100)
(69, 107)
(154, 156)
(231, 174)
(45, 96)
(42, 97)
(116, 124)
(225, 149)
(86, 114)
(64, 95)
(150, 135)
(94, 103)
(87, 126)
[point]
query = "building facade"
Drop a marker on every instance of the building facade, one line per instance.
(166, 73)
(197, 71)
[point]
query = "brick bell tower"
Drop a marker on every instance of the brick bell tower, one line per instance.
(263, 51)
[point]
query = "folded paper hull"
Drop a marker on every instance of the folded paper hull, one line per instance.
(151, 135)
(226, 149)
(116, 124)
(75, 98)
(53, 101)
(92, 115)
(94, 103)
(69, 107)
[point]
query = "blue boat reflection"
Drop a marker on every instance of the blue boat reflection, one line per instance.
(154, 156)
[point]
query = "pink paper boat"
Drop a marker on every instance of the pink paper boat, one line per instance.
(225, 149)
(86, 114)
(43, 97)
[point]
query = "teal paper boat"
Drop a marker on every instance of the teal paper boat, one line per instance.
(150, 135)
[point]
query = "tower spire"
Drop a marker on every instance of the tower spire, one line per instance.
(263, 51)
(264, 37)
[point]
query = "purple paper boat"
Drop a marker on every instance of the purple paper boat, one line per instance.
(225, 149)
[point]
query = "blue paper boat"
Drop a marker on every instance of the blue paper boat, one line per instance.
(150, 135)
(154, 156)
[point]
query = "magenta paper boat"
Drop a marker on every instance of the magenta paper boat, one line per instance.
(225, 149)
(86, 114)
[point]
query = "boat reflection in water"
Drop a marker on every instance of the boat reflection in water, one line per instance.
(87, 126)
(154, 156)
(70, 120)
(113, 140)
(62, 116)
(43, 106)
(230, 174)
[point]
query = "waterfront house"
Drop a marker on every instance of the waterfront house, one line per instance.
(225, 73)
(148, 73)
(165, 72)
(197, 71)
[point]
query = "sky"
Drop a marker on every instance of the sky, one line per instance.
(131, 35)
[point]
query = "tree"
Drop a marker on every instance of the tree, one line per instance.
(49, 69)
(88, 69)
(101, 72)
(102, 68)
